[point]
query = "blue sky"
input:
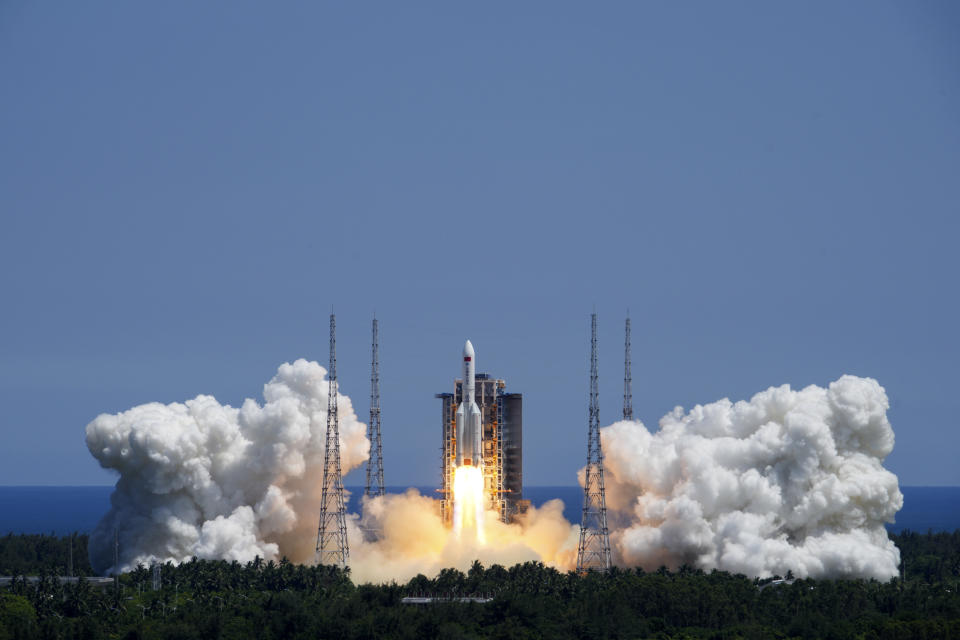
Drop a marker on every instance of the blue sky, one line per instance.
(186, 189)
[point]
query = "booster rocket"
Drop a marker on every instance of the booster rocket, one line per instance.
(469, 451)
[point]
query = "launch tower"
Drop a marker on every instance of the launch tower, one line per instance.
(375, 461)
(332, 534)
(627, 375)
(593, 553)
(502, 445)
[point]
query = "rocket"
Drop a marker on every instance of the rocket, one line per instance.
(468, 416)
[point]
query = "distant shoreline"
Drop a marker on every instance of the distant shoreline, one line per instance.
(62, 509)
(400, 486)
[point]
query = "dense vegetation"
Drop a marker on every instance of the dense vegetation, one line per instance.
(37, 554)
(204, 599)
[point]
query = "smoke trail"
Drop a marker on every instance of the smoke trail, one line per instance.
(789, 481)
(209, 480)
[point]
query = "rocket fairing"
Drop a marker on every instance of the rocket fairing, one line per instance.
(469, 451)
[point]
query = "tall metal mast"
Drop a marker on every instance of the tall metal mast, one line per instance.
(627, 375)
(332, 535)
(116, 564)
(375, 461)
(593, 552)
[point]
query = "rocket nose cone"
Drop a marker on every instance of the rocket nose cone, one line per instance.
(468, 350)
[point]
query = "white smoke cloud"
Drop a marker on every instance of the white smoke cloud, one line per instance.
(411, 538)
(208, 480)
(791, 480)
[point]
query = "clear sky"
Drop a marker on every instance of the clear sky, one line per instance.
(186, 188)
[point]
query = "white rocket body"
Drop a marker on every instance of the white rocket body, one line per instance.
(469, 451)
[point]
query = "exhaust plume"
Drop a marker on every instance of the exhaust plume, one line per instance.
(209, 480)
(412, 539)
(789, 481)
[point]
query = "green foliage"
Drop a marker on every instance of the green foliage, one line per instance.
(35, 553)
(274, 600)
(18, 619)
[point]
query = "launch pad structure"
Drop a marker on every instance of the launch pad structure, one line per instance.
(374, 486)
(332, 545)
(502, 445)
(593, 551)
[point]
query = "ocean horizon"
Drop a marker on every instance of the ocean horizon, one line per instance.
(62, 510)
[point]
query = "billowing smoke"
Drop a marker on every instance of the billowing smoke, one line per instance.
(412, 539)
(789, 481)
(208, 480)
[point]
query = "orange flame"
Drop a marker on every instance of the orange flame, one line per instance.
(468, 502)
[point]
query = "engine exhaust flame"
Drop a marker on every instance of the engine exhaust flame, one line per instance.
(468, 503)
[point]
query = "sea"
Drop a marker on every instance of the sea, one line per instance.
(64, 510)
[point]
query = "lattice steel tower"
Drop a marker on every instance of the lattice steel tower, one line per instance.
(593, 553)
(375, 461)
(332, 535)
(627, 375)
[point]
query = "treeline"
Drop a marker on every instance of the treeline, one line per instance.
(215, 599)
(33, 554)
(932, 557)
(928, 556)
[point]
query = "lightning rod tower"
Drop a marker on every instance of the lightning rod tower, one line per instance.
(375, 461)
(116, 564)
(593, 552)
(627, 375)
(332, 534)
